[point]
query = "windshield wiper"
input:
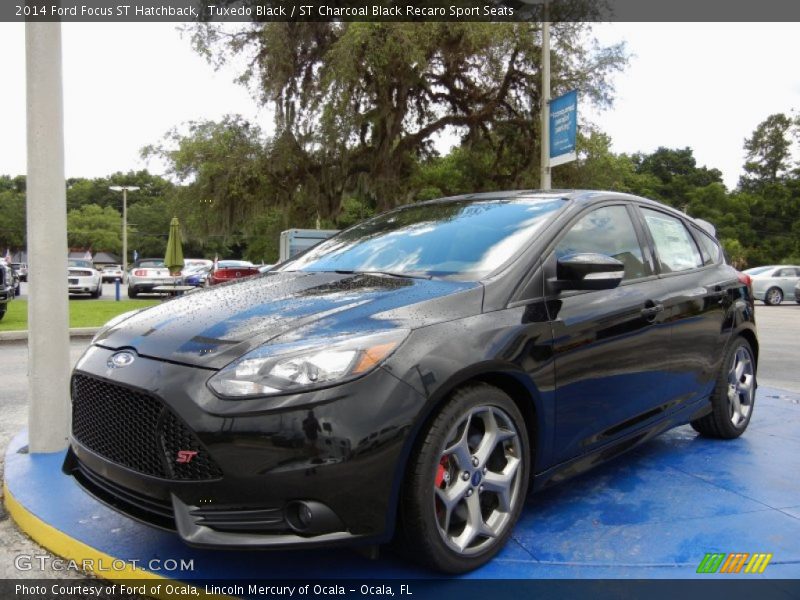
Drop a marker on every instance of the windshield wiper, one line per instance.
(388, 273)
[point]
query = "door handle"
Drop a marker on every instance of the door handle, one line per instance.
(718, 294)
(651, 309)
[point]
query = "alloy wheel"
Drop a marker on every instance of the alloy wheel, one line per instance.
(775, 296)
(478, 480)
(741, 386)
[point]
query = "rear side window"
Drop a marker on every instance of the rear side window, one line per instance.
(787, 272)
(607, 230)
(675, 247)
(712, 253)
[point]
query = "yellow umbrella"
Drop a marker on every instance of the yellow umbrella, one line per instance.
(173, 258)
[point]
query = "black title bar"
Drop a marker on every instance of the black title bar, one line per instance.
(144, 11)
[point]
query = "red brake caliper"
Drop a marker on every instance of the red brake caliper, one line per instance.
(441, 470)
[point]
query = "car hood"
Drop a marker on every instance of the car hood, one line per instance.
(212, 327)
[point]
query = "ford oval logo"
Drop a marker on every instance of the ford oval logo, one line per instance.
(121, 359)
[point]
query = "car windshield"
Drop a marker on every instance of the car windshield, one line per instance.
(457, 239)
(83, 264)
(224, 264)
(196, 269)
(151, 264)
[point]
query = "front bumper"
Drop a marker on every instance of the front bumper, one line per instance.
(334, 455)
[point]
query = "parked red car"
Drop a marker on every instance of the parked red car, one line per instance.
(228, 270)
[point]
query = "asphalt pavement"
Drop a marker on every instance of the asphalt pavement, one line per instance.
(779, 336)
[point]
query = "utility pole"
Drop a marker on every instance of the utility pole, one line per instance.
(545, 178)
(124, 189)
(48, 304)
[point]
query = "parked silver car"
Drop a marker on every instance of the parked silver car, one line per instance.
(773, 283)
(83, 278)
(146, 274)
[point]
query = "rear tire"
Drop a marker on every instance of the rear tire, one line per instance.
(466, 482)
(773, 297)
(132, 293)
(734, 395)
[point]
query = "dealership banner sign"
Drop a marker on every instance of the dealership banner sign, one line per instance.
(563, 128)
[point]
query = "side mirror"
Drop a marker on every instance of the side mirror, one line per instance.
(588, 271)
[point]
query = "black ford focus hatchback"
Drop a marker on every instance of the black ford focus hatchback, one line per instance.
(415, 375)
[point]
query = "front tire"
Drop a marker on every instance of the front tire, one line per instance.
(466, 482)
(734, 395)
(773, 297)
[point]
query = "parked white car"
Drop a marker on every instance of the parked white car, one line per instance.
(111, 273)
(773, 283)
(83, 278)
(146, 274)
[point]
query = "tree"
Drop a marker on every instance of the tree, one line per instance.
(222, 165)
(358, 104)
(95, 227)
(12, 217)
(148, 227)
(676, 173)
(768, 151)
(772, 188)
(82, 191)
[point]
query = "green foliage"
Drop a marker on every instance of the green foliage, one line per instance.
(12, 217)
(95, 227)
(354, 210)
(768, 151)
(81, 192)
(148, 227)
(263, 240)
(357, 105)
(225, 183)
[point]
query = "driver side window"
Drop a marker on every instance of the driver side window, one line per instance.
(607, 230)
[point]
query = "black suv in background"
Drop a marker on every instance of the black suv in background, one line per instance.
(7, 287)
(417, 372)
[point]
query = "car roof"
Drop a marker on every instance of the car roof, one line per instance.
(575, 197)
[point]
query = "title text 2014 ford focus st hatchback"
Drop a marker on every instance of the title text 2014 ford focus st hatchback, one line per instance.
(413, 376)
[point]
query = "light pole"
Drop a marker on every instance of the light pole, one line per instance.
(546, 182)
(124, 189)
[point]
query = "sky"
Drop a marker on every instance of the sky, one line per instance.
(702, 85)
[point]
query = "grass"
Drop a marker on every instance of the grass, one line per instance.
(82, 312)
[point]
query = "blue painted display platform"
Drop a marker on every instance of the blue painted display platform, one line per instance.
(653, 513)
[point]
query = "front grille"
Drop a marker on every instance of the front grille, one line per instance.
(136, 430)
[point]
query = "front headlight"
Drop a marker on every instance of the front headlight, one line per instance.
(278, 368)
